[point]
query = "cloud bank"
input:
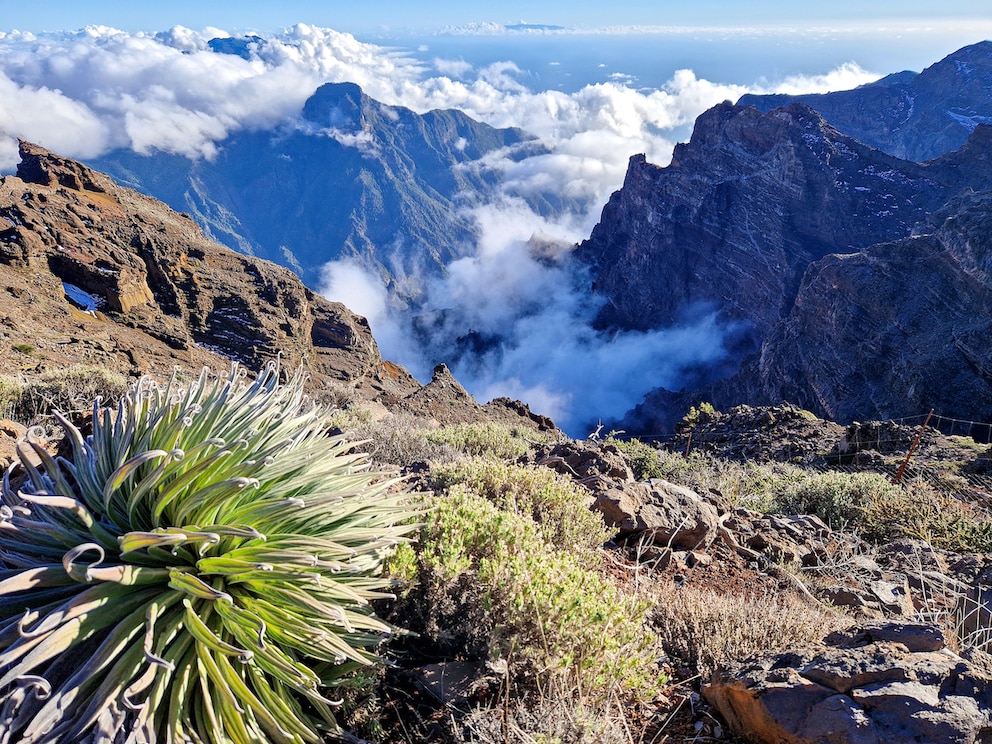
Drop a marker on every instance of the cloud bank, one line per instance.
(512, 319)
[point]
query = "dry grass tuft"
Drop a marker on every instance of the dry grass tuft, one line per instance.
(702, 629)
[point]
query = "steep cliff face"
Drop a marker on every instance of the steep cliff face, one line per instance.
(891, 331)
(915, 116)
(896, 329)
(804, 238)
(354, 178)
(744, 208)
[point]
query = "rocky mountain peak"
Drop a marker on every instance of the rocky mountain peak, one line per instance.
(340, 106)
(355, 178)
(804, 242)
(40, 166)
(754, 133)
(743, 208)
(974, 60)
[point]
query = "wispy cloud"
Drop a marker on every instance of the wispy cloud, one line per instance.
(974, 27)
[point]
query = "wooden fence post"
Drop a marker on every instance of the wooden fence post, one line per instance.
(912, 447)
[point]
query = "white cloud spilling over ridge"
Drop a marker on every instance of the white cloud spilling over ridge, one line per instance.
(531, 311)
(86, 92)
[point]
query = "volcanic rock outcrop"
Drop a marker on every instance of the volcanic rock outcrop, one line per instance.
(881, 682)
(84, 262)
(95, 274)
(820, 255)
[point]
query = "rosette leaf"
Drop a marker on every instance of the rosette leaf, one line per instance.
(199, 570)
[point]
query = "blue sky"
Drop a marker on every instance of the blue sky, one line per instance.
(397, 15)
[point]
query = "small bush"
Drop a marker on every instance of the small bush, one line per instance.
(643, 458)
(394, 439)
(745, 484)
(921, 513)
(484, 439)
(71, 391)
(840, 499)
(337, 395)
(560, 625)
(11, 391)
(703, 629)
(700, 414)
(401, 439)
(553, 501)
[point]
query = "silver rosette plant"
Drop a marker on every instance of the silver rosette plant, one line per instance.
(200, 570)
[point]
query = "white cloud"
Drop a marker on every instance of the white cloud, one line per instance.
(362, 141)
(347, 282)
(169, 91)
(456, 68)
(847, 76)
(49, 118)
(528, 305)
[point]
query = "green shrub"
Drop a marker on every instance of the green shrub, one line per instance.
(201, 571)
(837, 498)
(922, 513)
(867, 503)
(393, 439)
(555, 622)
(553, 501)
(485, 439)
(700, 414)
(10, 397)
(643, 458)
(745, 484)
(401, 439)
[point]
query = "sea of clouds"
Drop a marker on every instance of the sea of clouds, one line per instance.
(87, 92)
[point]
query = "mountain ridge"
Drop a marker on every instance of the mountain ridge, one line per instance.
(352, 178)
(914, 116)
(746, 221)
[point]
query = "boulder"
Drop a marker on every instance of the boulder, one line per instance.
(593, 464)
(879, 682)
(10, 433)
(669, 514)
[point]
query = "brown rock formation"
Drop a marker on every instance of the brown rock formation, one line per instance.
(885, 682)
(100, 274)
(97, 274)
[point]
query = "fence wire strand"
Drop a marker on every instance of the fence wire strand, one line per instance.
(884, 440)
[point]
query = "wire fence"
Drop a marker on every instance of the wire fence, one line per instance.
(853, 450)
